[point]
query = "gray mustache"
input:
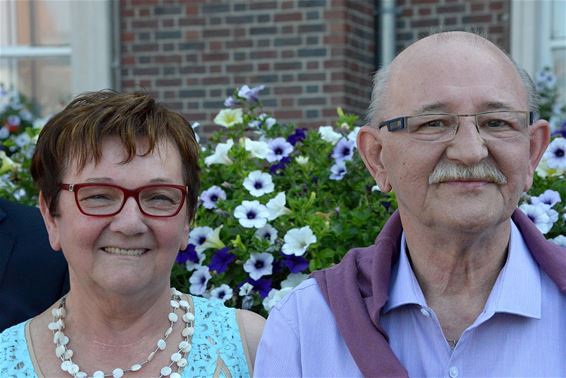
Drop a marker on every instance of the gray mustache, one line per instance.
(445, 171)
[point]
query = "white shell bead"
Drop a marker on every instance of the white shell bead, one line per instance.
(57, 336)
(135, 367)
(182, 362)
(183, 303)
(188, 331)
(61, 323)
(174, 304)
(65, 365)
(176, 357)
(150, 357)
(68, 354)
(173, 317)
(73, 369)
(53, 326)
(60, 350)
(55, 312)
(175, 375)
(81, 374)
(161, 344)
(168, 332)
(188, 317)
(183, 344)
(117, 373)
(98, 374)
(165, 371)
(62, 312)
(64, 340)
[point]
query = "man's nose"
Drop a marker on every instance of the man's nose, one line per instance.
(468, 147)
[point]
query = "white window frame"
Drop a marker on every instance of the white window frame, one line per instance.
(531, 39)
(89, 50)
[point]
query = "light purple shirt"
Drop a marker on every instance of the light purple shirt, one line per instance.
(520, 333)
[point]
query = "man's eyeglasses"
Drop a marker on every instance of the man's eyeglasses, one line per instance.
(103, 200)
(442, 127)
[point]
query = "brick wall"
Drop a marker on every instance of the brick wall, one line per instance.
(312, 55)
(417, 18)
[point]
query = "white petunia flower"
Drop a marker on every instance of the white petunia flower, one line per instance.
(274, 297)
(245, 289)
(354, 134)
(229, 117)
(555, 154)
(344, 150)
(213, 239)
(257, 149)
(259, 265)
(294, 279)
(328, 134)
(269, 122)
(220, 155)
(259, 183)
(302, 160)
(251, 214)
(211, 196)
(276, 206)
(199, 280)
(198, 237)
(279, 148)
(549, 197)
(222, 293)
(375, 188)
(560, 240)
(338, 170)
(191, 265)
(297, 240)
(268, 233)
(540, 215)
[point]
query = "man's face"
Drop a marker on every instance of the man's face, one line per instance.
(461, 78)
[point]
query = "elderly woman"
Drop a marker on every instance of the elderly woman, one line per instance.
(118, 180)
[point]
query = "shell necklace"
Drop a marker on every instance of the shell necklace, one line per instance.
(178, 359)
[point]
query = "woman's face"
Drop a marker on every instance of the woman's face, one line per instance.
(127, 252)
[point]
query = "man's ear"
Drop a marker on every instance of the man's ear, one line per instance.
(50, 223)
(539, 140)
(370, 148)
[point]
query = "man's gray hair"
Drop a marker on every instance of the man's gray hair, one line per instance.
(381, 82)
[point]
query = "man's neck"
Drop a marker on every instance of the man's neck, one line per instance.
(456, 272)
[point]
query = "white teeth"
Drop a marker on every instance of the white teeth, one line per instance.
(124, 252)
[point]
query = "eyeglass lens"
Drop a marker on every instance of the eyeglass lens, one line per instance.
(105, 200)
(493, 125)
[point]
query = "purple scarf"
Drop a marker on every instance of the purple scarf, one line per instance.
(358, 287)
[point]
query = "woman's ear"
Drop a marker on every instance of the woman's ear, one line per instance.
(50, 223)
(539, 140)
(370, 148)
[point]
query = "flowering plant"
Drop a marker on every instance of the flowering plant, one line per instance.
(279, 202)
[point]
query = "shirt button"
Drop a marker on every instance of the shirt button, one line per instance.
(425, 312)
(453, 372)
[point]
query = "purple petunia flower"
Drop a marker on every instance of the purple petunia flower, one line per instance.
(221, 259)
(230, 102)
(295, 264)
(187, 254)
(280, 149)
(277, 169)
(344, 150)
(262, 286)
(250, 94)
(298, 136)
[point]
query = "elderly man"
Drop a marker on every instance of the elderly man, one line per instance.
(458, 282)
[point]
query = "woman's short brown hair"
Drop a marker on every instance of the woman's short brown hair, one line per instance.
(72, 138)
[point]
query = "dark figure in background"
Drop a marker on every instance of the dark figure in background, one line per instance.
(32, 275)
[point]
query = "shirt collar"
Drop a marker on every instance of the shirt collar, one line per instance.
(517, 289)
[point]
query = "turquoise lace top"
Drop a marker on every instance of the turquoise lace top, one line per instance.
(217, 348)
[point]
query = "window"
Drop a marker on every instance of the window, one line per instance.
(538, 37)
(52, 50)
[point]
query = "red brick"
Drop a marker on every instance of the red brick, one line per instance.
(294, 90)
(312, 65)
(214, 57)
(161, 59)
(264, 67)
(477, 19)
(420, 23)
(425, 11)
(287, 102)
(286, 17)
(287, 5)
(495, 5)
(127, 37)
(168, 82)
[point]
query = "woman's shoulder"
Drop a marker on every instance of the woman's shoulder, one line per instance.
(14, 355)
